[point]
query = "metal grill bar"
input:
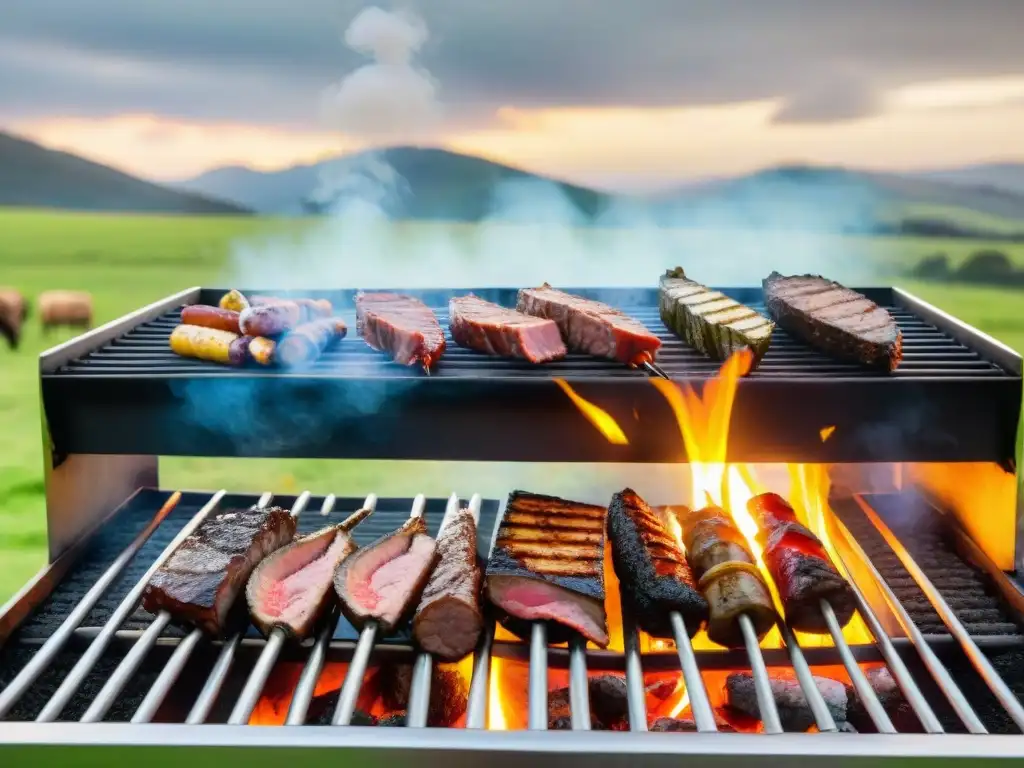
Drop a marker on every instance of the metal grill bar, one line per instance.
(538, 686)
(71, 683)
(42, 659)
(822, 717)
(941, 675)
(984, 668)
(211, 689)
(762, 683)
(579, 693)
(367, 637)
(636, 690)
(700, 704)
(306, 686)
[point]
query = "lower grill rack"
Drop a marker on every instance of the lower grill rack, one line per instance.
(101, 658)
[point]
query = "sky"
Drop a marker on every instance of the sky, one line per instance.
(633, 95)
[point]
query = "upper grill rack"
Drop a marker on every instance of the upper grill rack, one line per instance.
(479, 693)
(121, 390)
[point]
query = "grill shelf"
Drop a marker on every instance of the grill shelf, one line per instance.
(123, 391)
(157, 534)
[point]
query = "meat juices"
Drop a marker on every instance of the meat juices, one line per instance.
(199, 582)
(400, 325)
(548, 565)
(383, 581)
(292, 587)
(835, 319)
(448, 620)
(591, 327)
(651, 566)
(495, 330)
(801, 568)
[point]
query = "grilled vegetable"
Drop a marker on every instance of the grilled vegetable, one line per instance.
(728, 575)
(548, 565)
(304, 345)
(233, 300)
(654, 576)
(207, 344)
(270, 319)
(709, 321)
(210, 317)
(801, 568)
(261, 349)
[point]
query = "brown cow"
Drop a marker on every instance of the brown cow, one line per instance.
(13, 312)
(58, 308)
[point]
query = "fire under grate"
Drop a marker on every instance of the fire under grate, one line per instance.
(115, 662)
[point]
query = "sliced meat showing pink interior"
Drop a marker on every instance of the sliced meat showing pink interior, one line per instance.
(534, 600)
(387, 579)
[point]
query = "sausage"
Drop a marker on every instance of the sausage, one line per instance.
(210, 317)
(727, 575)
(261, 350)
(305, 344)
(233, 300)
(207, 344)
(312, 309)
(270, 319)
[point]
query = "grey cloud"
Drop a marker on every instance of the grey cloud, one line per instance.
(835, 96)
(269, 60)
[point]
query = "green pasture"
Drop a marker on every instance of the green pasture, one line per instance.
(128, 261)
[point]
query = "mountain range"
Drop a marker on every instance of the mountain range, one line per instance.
(430, 183)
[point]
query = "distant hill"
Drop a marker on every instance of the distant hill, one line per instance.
(34, 176)
(412, 182)
(1006, 176)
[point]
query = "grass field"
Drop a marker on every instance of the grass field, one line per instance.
(129, 261)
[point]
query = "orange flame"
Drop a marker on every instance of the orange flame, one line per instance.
(826, 433)
(601, 419)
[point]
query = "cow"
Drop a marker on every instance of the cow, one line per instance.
(14, 310)
(72, 308)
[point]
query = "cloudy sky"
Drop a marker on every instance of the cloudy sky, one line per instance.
(633, 94)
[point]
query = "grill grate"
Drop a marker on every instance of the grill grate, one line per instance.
(112, 685)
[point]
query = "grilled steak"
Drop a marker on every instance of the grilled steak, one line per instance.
(384, 581)
(400, 325)
(591, 327)
(548, 565)
(728, 575)
(199, 582)
(292, 588)
(496, 330)
(836, 320)
(801, 568)
(709, 321)
(794, 711)
(448, 621)
(654, 576)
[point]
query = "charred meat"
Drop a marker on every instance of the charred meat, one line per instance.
(801, 568)
(591, 327)
(709, 321)
(199, 582)
(448, 620)
(496, 330)
(728, 575)
(383, 581)
(654, 576)
(400, 325)
(835, 319)
(548, 565)
(292, 587)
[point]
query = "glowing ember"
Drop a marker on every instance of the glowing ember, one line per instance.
(605, 424)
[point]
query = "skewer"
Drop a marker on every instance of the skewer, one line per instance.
(762, 683)
(275, 642)
(896, 666)
(653, 368)
(636, 693)
(357, 668)
(700, 705)
(538, 686)
(579, 686)
(479, 688)
(169, 674)
(306, 686)
(211, 689)
(423, 669)
(822, 717)
(78, 673)
(48, 651)
(978, 659)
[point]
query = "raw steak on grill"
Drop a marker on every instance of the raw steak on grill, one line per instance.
(591, 327)
(400, 325)
(496, 330)
(836, 320)
(199, 582)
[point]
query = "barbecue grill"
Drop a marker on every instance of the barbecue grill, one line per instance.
(925, 494)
